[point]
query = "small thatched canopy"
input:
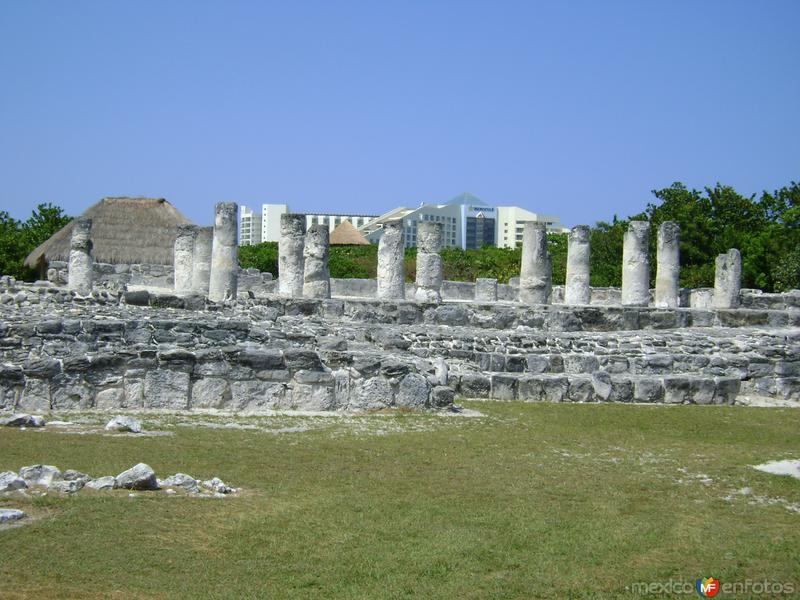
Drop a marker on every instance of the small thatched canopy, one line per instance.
(124, 230)
(347, 235)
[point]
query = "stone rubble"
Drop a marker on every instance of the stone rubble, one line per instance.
(124, 424)
(140, 477)
(9, 515)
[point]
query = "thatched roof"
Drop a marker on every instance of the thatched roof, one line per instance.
(124, 230)
(346, 234)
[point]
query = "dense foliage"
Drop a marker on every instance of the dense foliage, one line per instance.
(766, 230)
(19, 238)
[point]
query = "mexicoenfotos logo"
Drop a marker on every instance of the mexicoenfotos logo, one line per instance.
(708, 587)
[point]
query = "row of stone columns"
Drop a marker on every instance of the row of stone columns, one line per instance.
(536, 269)
(303, 270)
(206, 259)
(206, 262)
(192, 259)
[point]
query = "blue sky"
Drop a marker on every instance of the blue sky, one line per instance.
(572, 108)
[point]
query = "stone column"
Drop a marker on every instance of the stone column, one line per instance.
(201, 270)
(290, 255)
(636, 264)
(224, 276)
(183, 255)
(668, 265)
(81, 263)
(391, 268)
(728, 279)
(536, 273)
(316, 276)
(577, 290)
(429, 262)
(485, 290)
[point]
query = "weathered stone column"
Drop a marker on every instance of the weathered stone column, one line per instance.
(668, 265)
(201, 270)
(485, 290)
(391, 268)
(224, 277)
(429, 262)
(577, 290)
(81, 263)
(536, 272)
(316, 275)
(728, 279)
(290, 255)
(636, 265)
(183, 258)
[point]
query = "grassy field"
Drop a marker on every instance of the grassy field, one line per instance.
(530, 501)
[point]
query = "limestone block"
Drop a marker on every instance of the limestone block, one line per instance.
(35, 396)
(413, 391)
(475, 385)
(165, 388)
(210, 392)
(580, 389)
(371, 394)
(530, 388)
(71, 392)
(256, 395)
(504, 387)
(485, 290)
(109, 398)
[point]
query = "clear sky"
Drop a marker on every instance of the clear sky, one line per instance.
(572, 108)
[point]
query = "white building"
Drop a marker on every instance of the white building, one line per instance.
(250, 229)
(468, 222)
(268, 222)
(511, 221)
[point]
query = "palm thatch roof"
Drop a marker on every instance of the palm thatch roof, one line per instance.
(124, 230)
(346, 234)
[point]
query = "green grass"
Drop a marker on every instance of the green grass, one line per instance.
(532, 501)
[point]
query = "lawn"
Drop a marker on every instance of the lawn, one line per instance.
(529, 501)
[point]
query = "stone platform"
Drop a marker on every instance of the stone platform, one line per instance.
(140, 350)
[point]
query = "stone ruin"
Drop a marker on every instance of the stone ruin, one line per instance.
(223, 338)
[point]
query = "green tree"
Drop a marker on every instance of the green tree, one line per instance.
(18, 239)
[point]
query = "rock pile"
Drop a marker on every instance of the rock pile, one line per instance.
(140, 477)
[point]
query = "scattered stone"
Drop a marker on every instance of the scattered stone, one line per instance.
(123, 423)
(66, 487)
(7, 515)
(139, 477)
(218, 486)
(181, 480)
(43, 475)
(102, 483)
(23, 420)
(72, 475)
(10, 481)
(781, 467)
